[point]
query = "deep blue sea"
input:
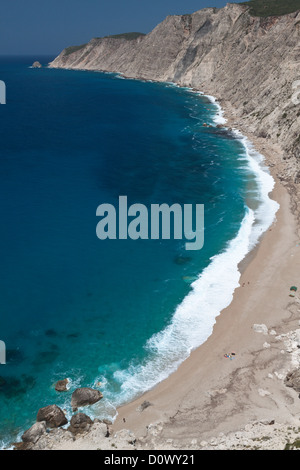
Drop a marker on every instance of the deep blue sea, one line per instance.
(123, 313)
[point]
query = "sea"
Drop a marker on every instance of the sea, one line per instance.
(116, 315)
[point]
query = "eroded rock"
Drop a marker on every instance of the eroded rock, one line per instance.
(35, 432)
(293, 380)
(52, 415)
(85, 396)
(80, 423)
(37, 65)
(62, 385)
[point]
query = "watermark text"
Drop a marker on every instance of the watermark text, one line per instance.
(2, 352)
(2, 92)
(163, 222)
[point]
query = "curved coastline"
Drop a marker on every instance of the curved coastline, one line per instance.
(256, 159)
(189, 387)
(214, 287)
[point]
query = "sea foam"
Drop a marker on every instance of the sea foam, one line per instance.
(194, 318)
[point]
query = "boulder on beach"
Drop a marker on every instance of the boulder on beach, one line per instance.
(52, 415)
(85, 396)
(62, 385)
(80, 423)
(293, 380)
(33, 434)
(260, 328)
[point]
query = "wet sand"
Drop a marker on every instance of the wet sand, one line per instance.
(210, 393)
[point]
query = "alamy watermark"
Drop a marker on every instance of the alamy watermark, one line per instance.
(136, 222)
(2, 92)
(2, 352)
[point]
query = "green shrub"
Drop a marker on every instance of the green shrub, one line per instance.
(266, 8)
(71, 49)
(127, 36)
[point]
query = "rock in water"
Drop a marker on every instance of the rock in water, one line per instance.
(34, 433)
(84, 397)
(80, 423)
(53, 416)
(62, 385)
(36, 65)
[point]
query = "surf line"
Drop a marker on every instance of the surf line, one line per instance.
(188, 222)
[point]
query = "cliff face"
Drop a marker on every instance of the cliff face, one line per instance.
(249, 62)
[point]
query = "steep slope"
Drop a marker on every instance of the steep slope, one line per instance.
(251, 63)
(272, 7)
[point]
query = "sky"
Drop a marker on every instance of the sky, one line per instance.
(37, 27)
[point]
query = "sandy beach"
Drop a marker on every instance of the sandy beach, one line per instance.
(210, 394)
(167, 123)
(212, 401)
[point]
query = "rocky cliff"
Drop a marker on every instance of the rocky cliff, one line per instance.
(249, 63)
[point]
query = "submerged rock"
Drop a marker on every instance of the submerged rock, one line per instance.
(2, 382)
(51, 333)
(52, 415)
(84, 397)
(181, 260)
(45, 357)
(13, 386)
(14, 356)
(73, 335)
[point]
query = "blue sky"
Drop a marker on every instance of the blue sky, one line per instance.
(35, 27)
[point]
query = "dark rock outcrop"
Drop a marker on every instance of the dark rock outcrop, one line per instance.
(84, 397)
(33, 434)
(293, 380)
(36, 65)
(52, 415)
(80, 423)
(62, 385)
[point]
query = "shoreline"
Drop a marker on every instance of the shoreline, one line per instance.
(206, 375)
(168, 398)
(265, 199)
(180, 399)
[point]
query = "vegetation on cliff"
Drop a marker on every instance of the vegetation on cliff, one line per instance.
(127, 36)
(272, 7)
(71, 49)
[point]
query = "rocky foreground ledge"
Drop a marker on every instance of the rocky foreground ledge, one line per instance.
(84, 434)
(52, 431)
(51, 418)
(251, 65)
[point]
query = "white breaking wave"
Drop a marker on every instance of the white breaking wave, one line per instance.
(219, 117)
(193, 320)
(267, 209)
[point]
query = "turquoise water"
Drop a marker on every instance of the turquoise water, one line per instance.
(121, 312)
